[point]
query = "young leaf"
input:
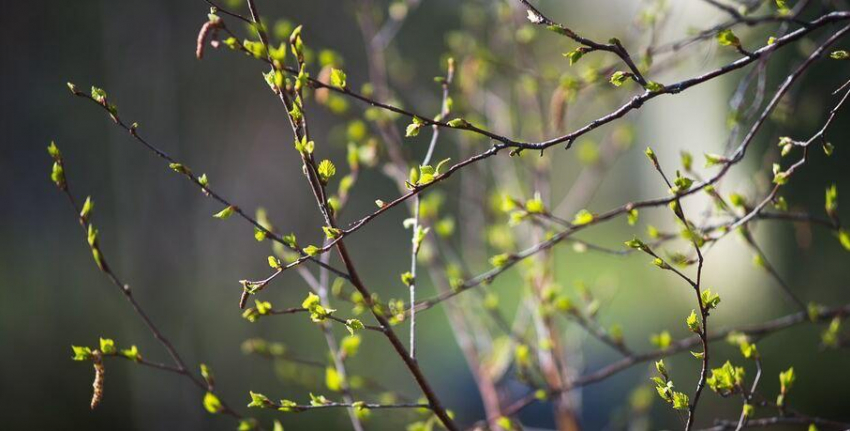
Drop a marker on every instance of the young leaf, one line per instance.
(212, 403)
(728, 38)
(839, 55)
(583, 217)
(107, 346)
(225, 213)
(338, 78)
(259, 401)
(413, 128)
(274, 262)
(693, 322)
(353, 325)
(81, 353)
(619, 78)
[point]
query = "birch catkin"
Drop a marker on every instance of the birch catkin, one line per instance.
(97, 385)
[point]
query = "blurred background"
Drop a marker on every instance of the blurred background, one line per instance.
(219, 117)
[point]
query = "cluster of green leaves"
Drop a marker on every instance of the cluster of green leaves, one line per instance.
(666, 390)
(424, 174)
(106, 347)
(726, 380)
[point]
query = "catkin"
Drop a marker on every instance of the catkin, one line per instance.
(99, 371)
(202, 35)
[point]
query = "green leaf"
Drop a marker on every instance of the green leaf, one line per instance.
(632, 217)
(212, 403)
(728, 38)
(81, 353)
(132, 353)
(726, 379)
(709, 300)
(660, 263)
(57, 175)
(304, 146)
(255, 48)
(636, 244)
(714, 159)
(522, 354)
(445, 227)
(274, 262)
(225, 213)
(693, 322)
(458, 123)
(54, 152)
(333, 380)
(413, 128)
(839, 55)
(107, 346)
(749, 350)
(311, 250)
(680, 401)
(407, 278)
(353, 325)
(535, 204)
(98, 94)
(326, 171)
(780, 178)
(440, 166)
(737, 200)
(249, 424)
(687, 160)
(311, 301)
(500, 260)
(263, 307)
(651, 156)
(661, 340)
(661, 368)
(318, 400)
(91, 235)
(331, 232)
(313, 304)
(278, 54)
(844, 239)
(505, 422)
(786, 380)
(88, 206)
(619, 78)
(338, 78)
(290, 240)
(350, 345)
(583, 217)
(575, 55)
(259, 400)
(831, 200)
(287, 406)
(207, 374)
(203, 181)
(654, 87)
(681, 184)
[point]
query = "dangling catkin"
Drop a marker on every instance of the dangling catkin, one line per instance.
(99, 371)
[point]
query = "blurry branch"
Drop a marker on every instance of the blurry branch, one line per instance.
(736, 157)
(757, 331)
